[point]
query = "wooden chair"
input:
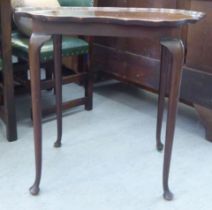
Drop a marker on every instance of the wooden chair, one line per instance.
(7, 102)
(71, 46)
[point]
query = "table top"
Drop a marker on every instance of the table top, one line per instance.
(132, 16)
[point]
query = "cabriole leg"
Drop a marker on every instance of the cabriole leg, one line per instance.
(57, 40)
(36, 41)
(175, 48)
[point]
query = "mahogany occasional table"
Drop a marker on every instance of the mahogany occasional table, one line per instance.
(162, 24)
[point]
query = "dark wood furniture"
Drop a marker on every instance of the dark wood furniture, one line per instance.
(71, 47)
(111, 22)
(7, 104)
(136, 61)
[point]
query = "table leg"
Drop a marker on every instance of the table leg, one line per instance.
(164, 67)
(57, 41)
(89, 79)
(36, 41)
(175, 48)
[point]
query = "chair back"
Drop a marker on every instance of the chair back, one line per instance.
(76, 3)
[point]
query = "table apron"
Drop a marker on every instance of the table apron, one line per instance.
(107, 30)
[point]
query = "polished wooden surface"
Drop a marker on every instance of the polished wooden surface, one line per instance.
(46, 24)
(137, 60)
(136, 16)
(201, 59)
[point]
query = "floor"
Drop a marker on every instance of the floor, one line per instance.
(108, 160)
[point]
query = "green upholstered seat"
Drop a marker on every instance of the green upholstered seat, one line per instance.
(76, 3)
(71, 46)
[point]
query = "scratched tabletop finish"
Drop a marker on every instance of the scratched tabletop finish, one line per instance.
(137, 16)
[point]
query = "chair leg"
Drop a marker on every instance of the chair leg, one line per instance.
(161, 100)
(175, 48)
(49, 72)
(36, 41)
(1, 100)
(89, 79)
(57, 40)
(81, 67)
(9, 114)
(9, 108)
